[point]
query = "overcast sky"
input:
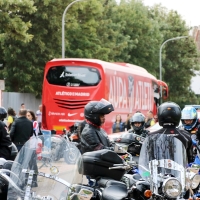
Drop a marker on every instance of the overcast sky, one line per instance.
(188, 9)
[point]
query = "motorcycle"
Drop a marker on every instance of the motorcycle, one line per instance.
(195, 166)
(35, 175)
(131, 144)
(162, 170)
(106, 170)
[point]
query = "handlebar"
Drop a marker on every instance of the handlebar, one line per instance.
(126, 167)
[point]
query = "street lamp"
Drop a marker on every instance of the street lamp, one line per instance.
(160, 59)
(63, 26)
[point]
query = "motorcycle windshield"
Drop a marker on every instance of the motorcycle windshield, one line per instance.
(47, 167)
(162, 155)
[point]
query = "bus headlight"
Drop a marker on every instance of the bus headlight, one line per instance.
(195, 180)
(172, 187)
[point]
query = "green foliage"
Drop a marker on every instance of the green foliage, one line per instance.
(180, 59)
(30, 35)
(12, 20)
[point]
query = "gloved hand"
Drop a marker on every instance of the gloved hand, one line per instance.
(194, 142)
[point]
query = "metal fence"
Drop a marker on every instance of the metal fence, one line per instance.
(14, 100)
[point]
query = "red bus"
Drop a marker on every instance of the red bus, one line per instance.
(69, 84)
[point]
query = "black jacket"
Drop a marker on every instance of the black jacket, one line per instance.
(142, 132)
(195, 130)
(93, 138)
(21, 130)
(5, 142)
(182, 135)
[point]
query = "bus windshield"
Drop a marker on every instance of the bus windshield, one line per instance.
(73, 76)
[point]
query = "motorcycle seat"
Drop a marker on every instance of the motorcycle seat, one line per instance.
(105, 182)
(115, 192)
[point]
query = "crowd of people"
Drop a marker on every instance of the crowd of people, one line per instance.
(120, 126)
(17, 128)
(93, 137)
(21, 127)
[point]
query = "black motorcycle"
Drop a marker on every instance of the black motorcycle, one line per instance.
(106, 169)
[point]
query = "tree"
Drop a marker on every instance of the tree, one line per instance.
(25, 61)
(179, 57)
(13, 24)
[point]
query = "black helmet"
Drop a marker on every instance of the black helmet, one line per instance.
(169, 112)
(138, 117)
(3, 113)
(94, 109)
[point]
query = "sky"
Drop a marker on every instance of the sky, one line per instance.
(188, 9)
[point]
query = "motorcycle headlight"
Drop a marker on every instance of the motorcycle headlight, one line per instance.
(195, 181)
(172, 187)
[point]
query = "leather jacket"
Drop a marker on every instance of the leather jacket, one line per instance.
(182, 135)
(94, 138)
(5, 142)
(142, 132)
(195, 130)
(21, 130)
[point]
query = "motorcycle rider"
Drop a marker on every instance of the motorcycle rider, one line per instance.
(138, 125)
(137, 122)
(5, 141)
(190, 121)
(93, 137)
(169, 116)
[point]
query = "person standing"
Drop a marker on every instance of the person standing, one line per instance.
(31, 116)
(127, 124)
(21, 130)
(39, 116)
(23, 106)
(11, 117)
(149, 119)
(118, 125)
